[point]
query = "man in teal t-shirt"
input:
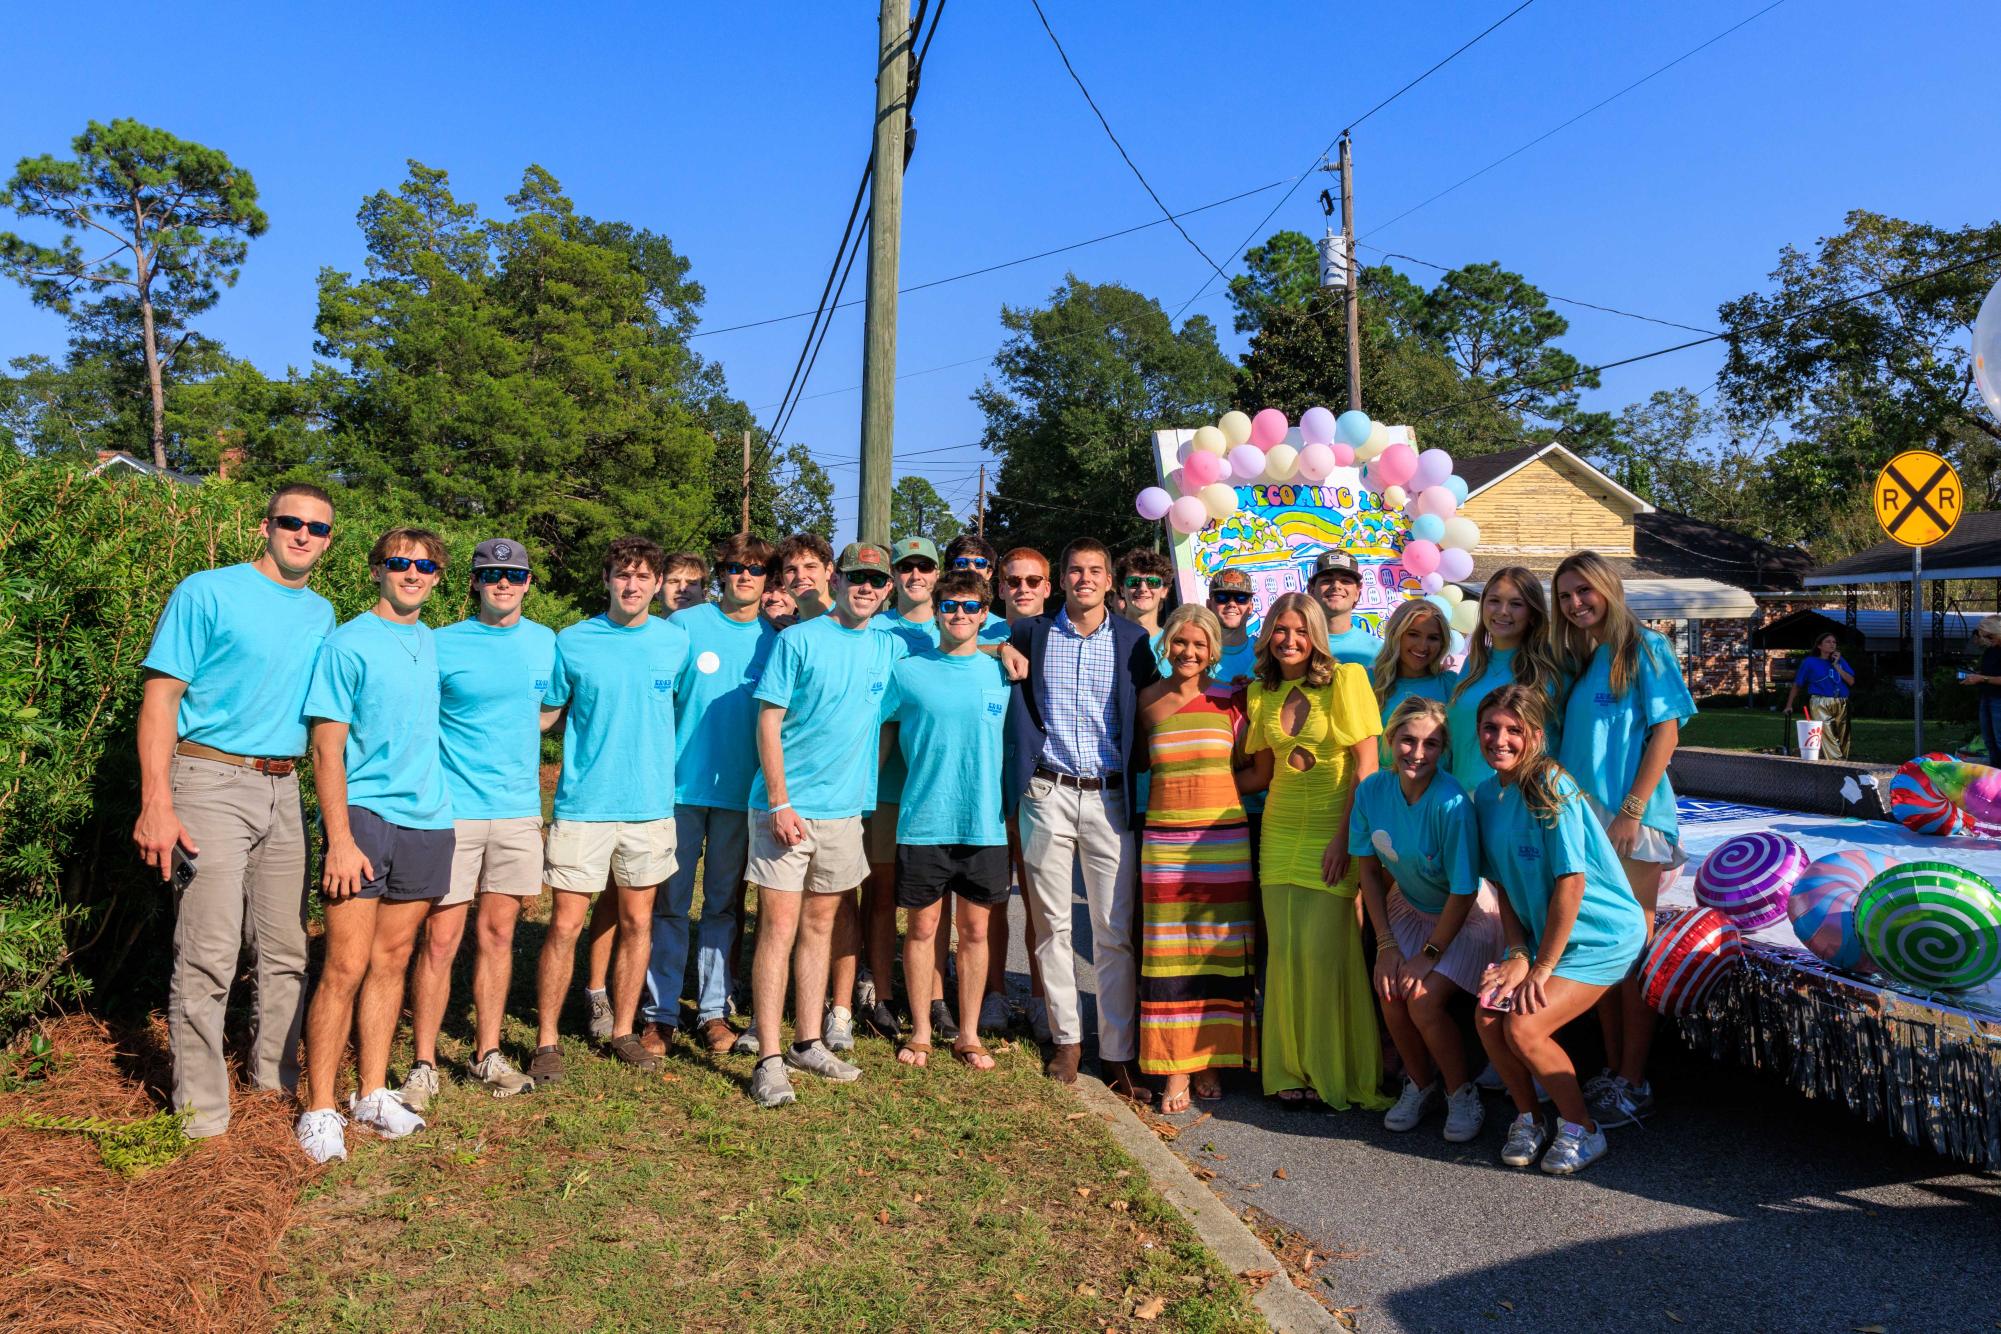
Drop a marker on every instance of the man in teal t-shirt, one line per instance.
(1337, 585)
(220, 734)
(493, 670)
(373, 706)
(613, 690)
(1232, 598)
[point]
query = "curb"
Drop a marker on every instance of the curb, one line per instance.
(1235, 1246)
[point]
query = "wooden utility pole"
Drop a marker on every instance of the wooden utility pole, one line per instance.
(744, 528)
(885, 223)
(980, 514)
(1354, 277)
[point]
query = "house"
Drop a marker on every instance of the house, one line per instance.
(118, 463)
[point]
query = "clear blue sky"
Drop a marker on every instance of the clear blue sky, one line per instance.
(739, 131)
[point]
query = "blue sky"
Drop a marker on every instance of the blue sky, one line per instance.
(739, 131)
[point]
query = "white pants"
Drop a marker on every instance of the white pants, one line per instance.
(1063, 827)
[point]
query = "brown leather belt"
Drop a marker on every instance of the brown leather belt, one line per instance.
(274, 768)
(1109, 783)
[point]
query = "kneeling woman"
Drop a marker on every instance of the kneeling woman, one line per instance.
(1571, 923)
(1437, 928)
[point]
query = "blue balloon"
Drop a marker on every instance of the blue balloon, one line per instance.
(1352, 427)
(1428, 526)
(1457, 485)
(1439, 601)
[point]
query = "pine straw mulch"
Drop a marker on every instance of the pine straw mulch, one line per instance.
(184, 1246)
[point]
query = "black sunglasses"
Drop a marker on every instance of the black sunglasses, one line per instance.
(1024, 581)
(970, 562)
(970, 605)
(1228, 597)
(292, 523)
(398, 564)
(738, 567)
(869, 578)
(919, 565)
(494, 574)
(1145, 581)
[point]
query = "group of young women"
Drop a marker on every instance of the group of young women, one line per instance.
(1506, 828)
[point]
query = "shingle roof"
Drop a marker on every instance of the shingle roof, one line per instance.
(1972, 551)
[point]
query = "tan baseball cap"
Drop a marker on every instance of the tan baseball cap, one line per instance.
(862, 556)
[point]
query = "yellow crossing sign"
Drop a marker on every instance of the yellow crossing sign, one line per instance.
(1918, 498)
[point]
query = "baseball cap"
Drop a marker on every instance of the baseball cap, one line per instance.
(500, 551)
(921, 547)
(1337, 563)
(862, 556)
(1230, 579)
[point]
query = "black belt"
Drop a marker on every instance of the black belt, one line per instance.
(1109, 783)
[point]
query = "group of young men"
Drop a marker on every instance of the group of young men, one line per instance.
(823, 725)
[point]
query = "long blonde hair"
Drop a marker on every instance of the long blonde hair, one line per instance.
(1536, 773)
(1621, 630)
(1536, 663)
(1205, 621)
(1388, 667)
(1320, 662)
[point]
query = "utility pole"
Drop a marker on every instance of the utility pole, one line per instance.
(885, 223)
(744, 528)
(1354, 278)
(980, 514)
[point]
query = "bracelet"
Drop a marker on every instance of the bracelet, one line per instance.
(1633, 806)
(781, 806)
(1515, 952)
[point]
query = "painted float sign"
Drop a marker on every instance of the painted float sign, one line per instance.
(1280, 528)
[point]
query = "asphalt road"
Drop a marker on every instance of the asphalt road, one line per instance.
(1739, 1206)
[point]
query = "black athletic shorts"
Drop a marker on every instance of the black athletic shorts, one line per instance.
(926, 873)
(409, 864)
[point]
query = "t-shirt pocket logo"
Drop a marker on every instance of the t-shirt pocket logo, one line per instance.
(1528, 852)
(663, 681)
(996, 702)
(541, 684)
(1604, 699)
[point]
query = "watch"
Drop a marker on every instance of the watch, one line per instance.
(1431, 951)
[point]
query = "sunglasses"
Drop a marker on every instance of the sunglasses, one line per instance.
(398, 564)
(970, 606)
(292, 523)
(970, 562)
(498, 574)
(1025, 581)
(738, 567)
(920, 566)
(1226, 598)
(869, 578)
(1145, 581)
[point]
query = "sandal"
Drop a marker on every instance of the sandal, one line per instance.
(973, 1055)
(1292, 1097)
(1209, 1089)
(918, 1053)
(631, 1051)
(1172, 1104)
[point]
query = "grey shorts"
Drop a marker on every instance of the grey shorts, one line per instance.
(409, 864)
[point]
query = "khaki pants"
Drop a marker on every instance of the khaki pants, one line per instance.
(1062, 828)
(249, 887)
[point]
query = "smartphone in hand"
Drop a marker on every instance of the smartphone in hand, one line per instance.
(1497, 1003)
(183, 873)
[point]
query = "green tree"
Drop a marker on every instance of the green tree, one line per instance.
(917, 510)
(1080, 385)
(803, 496)
(167, 222)
(1497, 329)
(1682, 456)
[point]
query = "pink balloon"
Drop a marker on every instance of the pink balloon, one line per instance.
(1433, 467)
(1455, 564)
(1152, 503)
(1247, 463)
(1420, 557)
(1395, 465)
(1432, 582)
(1268, 428)
(1201, 468)
(1437, 500)
(1344, 455)
(1316, 461)
(1188, 515)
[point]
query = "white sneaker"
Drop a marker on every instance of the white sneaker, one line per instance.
(1038, 1018)
(838, 1033)
(1490, 1079)
(1464, 1114)
(385, 1114)
(322, 1135)
(1574, 1149)
(1525, 1140)
(994, 1013)
(817, 1060)
(1411, 1106)
(419, 1087)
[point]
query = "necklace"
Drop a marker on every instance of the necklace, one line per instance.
(413, 648)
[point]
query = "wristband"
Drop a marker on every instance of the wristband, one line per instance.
(1633, 806)
(781, 806)
(1515, 952)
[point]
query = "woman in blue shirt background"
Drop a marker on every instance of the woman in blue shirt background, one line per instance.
(1570, 922)
(1621, 724)
(1826, 677)
(1512, 646)
(1412, 661)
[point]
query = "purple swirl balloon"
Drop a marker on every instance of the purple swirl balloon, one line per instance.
(1748, 878)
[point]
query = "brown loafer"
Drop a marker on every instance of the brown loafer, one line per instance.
(1063, 1062)
(655, 1038)
(718, 1036)
(1122, 1079)
(629, 1050)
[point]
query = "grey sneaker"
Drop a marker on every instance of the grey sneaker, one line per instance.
(600, 1015)
(994, 1013)
(1464, 1114)
(1597, 1084)
(838, 1034)
(419, 1087)
(499, 1076)
(1617, 1103)
(746, 1042)
(770, 1085)
(1574, 1149)
(817, 1060)
(322, 1135)
(1526, 1138)
(1412, 1106)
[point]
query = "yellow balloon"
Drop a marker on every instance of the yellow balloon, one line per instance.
(1461, 532)
(1281, 463)
(1394, 497)
(1236, 428)
(1466, 617)
(1453, 593)
(1220, 499)
(1210, 440)
(1365, 453)
(1379, 437)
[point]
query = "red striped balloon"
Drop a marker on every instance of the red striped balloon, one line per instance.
(1690, 955)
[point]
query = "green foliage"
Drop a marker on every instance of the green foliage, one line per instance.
(129, 1148)
(1283, 272)
(36, 1061)
(917, 510)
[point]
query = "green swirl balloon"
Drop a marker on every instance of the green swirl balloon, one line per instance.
(1933, 925)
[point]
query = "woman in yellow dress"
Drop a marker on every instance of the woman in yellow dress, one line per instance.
(1310, 738)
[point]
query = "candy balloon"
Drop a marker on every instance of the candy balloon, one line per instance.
(1693, 952)
(1433, 467)
(1421, 558)
(1987, 350)
(1352, 427)
(1465, 617)
(1437, 500)
(1211, 441)
(1455, 564)
(1152, 503)
(1394, 497)
(1822, 905)
(1247, 462)
(1188, 515)
(1281, 463)
(1316, 426)
(1457, 486)
(1268, 428)
(1454, 594)
(1462, 532)
(1932, 925)
(1918, 805)
(1219, 499)
(1236, 428)
(1748, 878)
(1344, 455)
(1433, 582)
(1316, 460)
(1427, 526)
(1200, 468)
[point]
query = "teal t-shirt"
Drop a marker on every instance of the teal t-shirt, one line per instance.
(951, 717)
(1526, 857)
(491, 680)
(1157, 641)
(1463, 718)
(715, 718)
(918, 637)
(381, 679)
(1605, 734)
(1438, 687)
(830, 681)
(245, 645)
(1238, 664)
(617, 681)
(1430, 847)
(1355, 645)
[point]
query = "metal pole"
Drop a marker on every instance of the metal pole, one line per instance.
(1354, 278)
(745, 527)
(885, 221)
(1918, 646)
(980, 519)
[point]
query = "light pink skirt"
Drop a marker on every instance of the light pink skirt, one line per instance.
(1477, 945)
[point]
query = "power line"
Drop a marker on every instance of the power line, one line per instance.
(1350, 128)
(1568, 301)
(1112, 134)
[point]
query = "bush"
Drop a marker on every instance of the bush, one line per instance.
(86, 564)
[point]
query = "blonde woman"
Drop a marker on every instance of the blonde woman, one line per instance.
(1988, 679)
(1512, 646)
(1620, 727)
(1570, 922)
(1198, 921)
(1311, 736)
(1437, 928)
(1412, 663)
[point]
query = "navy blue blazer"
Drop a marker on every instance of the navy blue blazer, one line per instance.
(1025, 729)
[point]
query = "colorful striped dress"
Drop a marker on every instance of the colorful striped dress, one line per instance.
(1198, 917)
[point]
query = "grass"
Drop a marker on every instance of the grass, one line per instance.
(912, 1199)
(1876, 740)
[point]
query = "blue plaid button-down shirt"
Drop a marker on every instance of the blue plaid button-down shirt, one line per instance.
(1074, 688)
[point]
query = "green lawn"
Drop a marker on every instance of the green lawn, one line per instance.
(1876, 740)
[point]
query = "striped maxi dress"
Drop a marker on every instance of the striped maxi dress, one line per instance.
(1198, 917)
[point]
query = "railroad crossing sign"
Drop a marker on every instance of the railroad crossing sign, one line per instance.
(1918, 498)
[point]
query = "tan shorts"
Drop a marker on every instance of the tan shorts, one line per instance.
(829, 860)
(495, 857)
(879, 836)
(638, 854)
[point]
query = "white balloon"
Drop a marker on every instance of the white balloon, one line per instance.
(1462, 532)
(1281, 463)
(1465, 617)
